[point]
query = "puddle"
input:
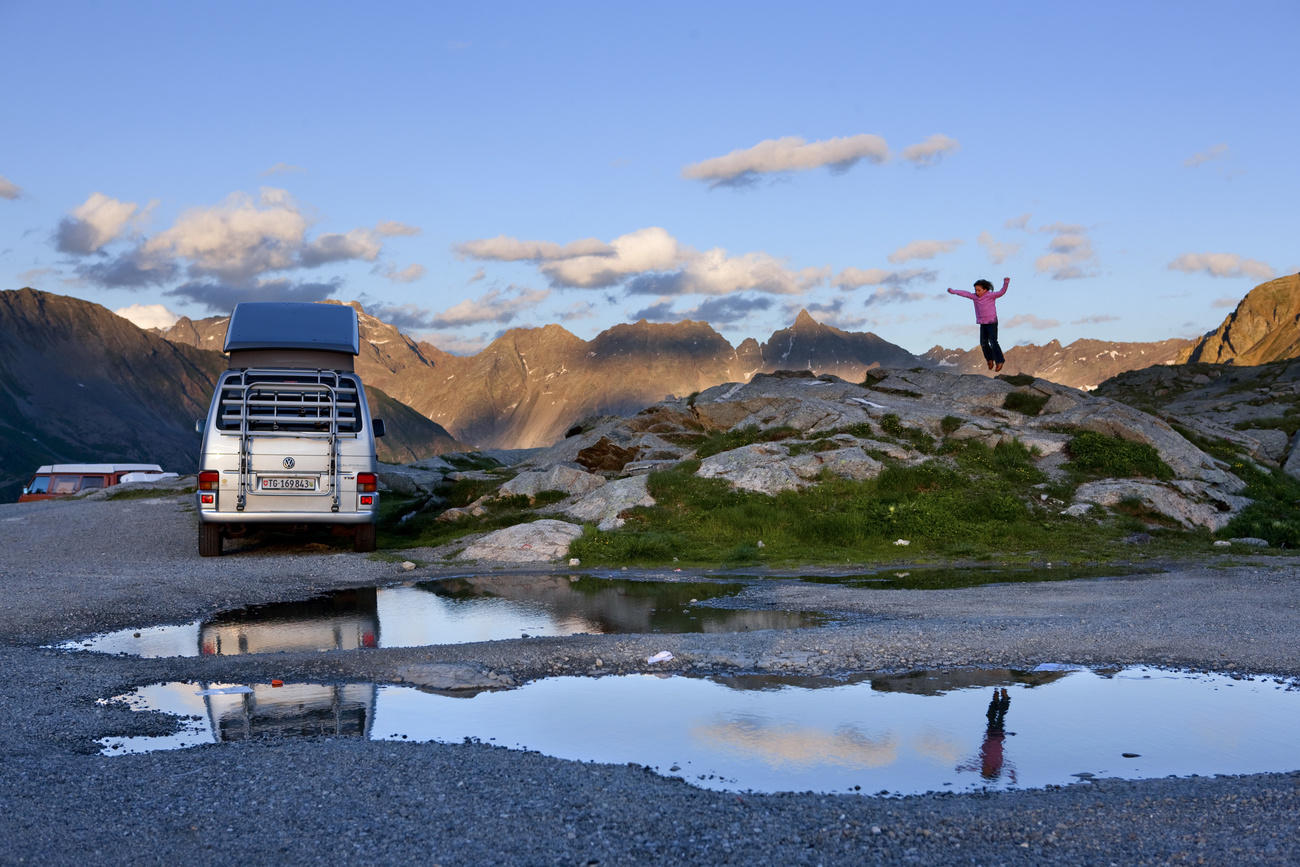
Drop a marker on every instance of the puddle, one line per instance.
(955, 731)
(975, 576)
(453, 611)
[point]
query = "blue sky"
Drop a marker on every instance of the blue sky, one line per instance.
(464, 169)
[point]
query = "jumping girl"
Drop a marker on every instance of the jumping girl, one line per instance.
(986, 314)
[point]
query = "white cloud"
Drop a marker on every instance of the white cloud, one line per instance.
(998, 251)
(496, 306)
(1021, 222)
(923, 250)
(34, 276)
(854, 278)
(930, 151)
(392, 228)
(892, 295)
(1028, 320)
(506, 249)
(788, 154)
(95, 222)
(356, 244)
(8, 189)
(578, 310)
(1222, 265)
(148, 315)
(409, 274)
(650, 261)
(1205, 156)
(1071, 256)
(650, 249)
(238, 239)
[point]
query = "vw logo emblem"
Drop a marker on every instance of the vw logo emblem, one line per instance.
(288, 463)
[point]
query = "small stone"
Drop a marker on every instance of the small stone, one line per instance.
(574, 561)
(407, 566)
(1222, 543)
(902, 542)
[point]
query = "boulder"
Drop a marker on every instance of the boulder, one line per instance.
(535, 542)
(1270, 444)
(558, 478)
(1190, 506)
(849, 463)
(605, 456)
(763, 468)
(1112, 418)
(1291, 466)
(603, 505)
(407, 480)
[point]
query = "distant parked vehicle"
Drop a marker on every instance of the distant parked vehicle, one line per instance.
(288, 439)
(64, 480)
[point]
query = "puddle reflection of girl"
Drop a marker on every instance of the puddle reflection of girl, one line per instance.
(991, 761)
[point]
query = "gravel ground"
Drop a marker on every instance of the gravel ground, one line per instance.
(70, 569)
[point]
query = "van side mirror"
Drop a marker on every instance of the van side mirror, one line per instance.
(26, 490)
(378, 425)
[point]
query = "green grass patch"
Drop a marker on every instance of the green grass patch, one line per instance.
(974, 502)
(1025, 403)
(1290, 423)
(717, 442)
(1017, 379)
(1098, 456)
(1275, 513)
(892, 425)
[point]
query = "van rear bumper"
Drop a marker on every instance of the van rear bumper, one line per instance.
(287, 517)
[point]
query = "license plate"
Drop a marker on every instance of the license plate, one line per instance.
(297, 483)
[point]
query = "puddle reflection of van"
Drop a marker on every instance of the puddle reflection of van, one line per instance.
(64, 480)
(346, 620)
(293, 709)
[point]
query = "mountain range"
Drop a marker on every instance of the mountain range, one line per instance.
(78, 383)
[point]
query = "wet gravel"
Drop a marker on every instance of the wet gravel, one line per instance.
(71, 569)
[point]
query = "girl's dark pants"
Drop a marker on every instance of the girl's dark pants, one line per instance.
(989, 342)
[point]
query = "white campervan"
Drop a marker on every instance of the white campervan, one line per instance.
(288, 439)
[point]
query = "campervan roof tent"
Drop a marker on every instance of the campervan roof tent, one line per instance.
(293, 325)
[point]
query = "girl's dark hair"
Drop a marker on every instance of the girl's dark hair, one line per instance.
(986, 284)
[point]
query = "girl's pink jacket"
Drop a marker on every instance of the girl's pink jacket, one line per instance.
(986, 309)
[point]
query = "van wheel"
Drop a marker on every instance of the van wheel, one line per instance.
(209, 540)
(364, 540)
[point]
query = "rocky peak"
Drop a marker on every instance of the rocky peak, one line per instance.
(805, 322)
(1264, 327)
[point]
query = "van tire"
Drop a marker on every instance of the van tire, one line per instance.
(209, 540)
(364, 539)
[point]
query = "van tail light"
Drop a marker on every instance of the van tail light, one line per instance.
(366, 482)
(208, 480)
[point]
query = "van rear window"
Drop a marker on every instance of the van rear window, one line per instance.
(303, 401)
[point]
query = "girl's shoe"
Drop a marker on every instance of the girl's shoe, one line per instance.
(990, 365)
(998, 367)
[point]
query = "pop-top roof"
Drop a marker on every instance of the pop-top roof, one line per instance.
(293, 325)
